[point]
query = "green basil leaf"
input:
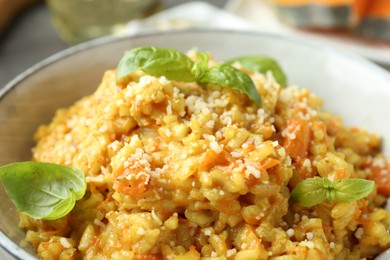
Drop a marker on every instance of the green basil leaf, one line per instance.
(262, 64)
(201, 66)
(352, 189)
(43, 190)
(309, 192)
(329, 189)
(170, 63)
(228, 76)
(176, 66)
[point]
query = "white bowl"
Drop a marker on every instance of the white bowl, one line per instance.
(352, 87)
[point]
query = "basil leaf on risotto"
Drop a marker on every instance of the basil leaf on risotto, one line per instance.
(313, 191)
(228, 76)
(309, 192)
(43, 190)
(175, 65)
(158, 62)
(348, 190)
(262, 64)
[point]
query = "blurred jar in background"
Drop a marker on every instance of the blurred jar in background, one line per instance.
(376, 22)
(321, 14)
(82, 20)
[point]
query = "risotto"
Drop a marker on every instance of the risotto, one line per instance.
(178, 171)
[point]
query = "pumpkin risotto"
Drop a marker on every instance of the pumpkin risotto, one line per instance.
(178, 171)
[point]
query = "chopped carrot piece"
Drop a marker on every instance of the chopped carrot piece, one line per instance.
(304, 172)
(269, 163)
(212, 159)
(134, 187)
(251, 181)
(130, 182)
(381, 176)
(297, 140)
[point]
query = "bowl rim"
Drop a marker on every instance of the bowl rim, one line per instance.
(17, 251)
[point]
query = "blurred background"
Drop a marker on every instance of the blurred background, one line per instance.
(32, 30)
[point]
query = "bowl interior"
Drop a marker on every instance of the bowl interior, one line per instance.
(351, 87)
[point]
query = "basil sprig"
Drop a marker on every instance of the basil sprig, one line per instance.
(175, 65)
(158, 62)
(226, 75)
(315, 190)
(262, 64)
(43, 190)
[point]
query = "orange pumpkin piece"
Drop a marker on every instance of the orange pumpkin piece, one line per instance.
(297, 140)
(381, 176)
